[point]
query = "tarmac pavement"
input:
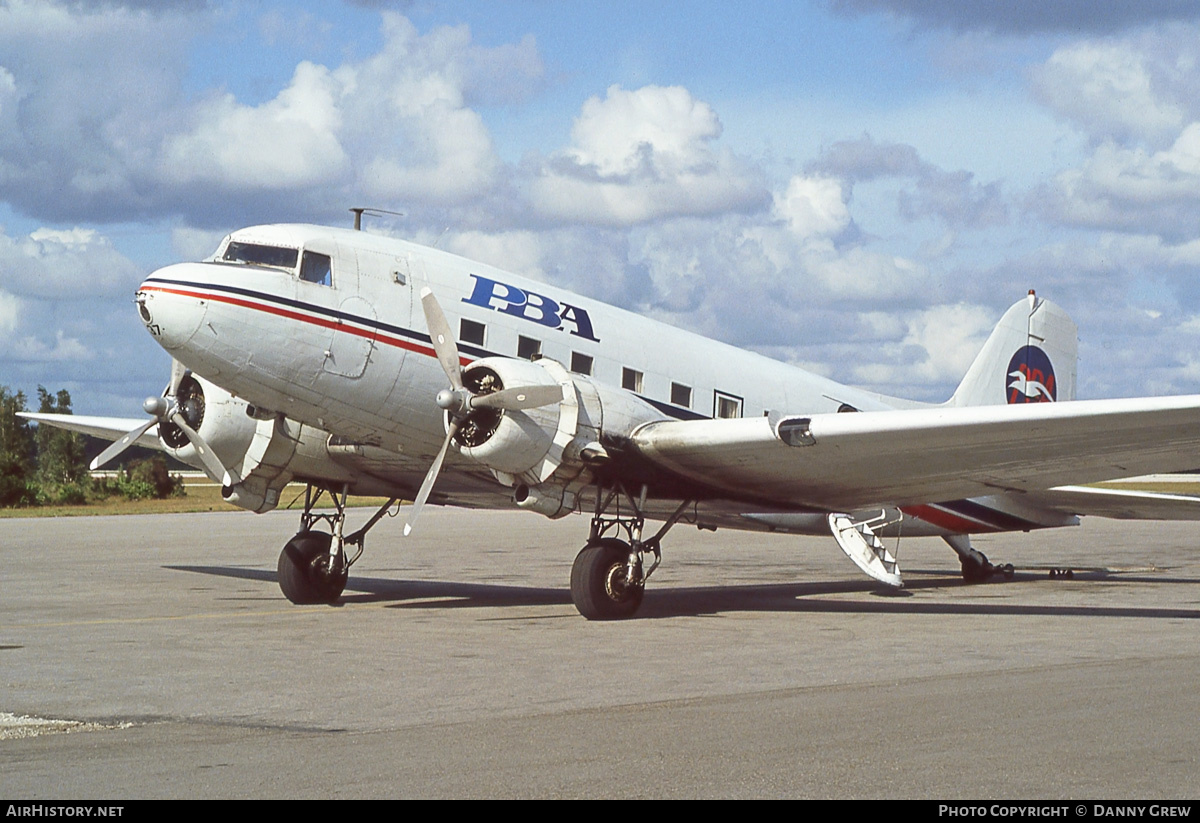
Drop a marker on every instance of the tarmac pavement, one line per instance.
(456, 666)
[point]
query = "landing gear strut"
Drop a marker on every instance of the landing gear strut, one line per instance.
(313, 566)
(608, 578)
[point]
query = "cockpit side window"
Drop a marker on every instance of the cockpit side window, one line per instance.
(316, 268)
(261, 256)
(253, 254)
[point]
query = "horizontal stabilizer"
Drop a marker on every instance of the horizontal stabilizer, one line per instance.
(1121, 504)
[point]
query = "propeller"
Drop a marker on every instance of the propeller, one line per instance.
(460, 401)
(163, 410)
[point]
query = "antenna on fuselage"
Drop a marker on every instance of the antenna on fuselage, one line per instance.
(359, 211)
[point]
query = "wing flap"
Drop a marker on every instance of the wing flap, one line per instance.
(840, 462)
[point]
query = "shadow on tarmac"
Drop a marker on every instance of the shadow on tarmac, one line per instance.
(712, 600)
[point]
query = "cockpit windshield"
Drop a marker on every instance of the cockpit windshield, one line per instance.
(253, 254)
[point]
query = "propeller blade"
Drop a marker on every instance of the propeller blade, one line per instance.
(522, 397)
(443, 338)
(427, 483)
(212, 464)
(121, 445)
(178, 372)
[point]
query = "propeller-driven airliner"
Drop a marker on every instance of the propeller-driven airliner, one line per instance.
(360, 364)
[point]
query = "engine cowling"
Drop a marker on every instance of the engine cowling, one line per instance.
(511, 442)
(540, 451)
(261, 451)
(219, 417)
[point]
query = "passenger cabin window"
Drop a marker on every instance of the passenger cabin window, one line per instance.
(726, 405)
(253, 254)
(317, 268)
(528, 348)
(471, 332)
(581, 363)
(631, 379)
(681, 395)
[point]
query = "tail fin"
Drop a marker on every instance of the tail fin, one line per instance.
(1030, 358)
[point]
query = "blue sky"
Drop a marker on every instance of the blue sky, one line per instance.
(860, 187)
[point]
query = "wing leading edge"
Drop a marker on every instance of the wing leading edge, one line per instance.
(843, 462)
(105, 428)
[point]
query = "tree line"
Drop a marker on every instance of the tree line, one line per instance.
(44, 465)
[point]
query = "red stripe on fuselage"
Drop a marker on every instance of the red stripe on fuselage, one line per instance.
(947, 520)
(370, 334)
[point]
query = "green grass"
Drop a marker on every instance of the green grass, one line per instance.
(199, 498)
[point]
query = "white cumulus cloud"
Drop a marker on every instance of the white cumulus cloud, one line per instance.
(413, 133)
(73, 263)
(641, 155)
(1132, 189)
(1107, 88)
(813, 206)
(288, 142)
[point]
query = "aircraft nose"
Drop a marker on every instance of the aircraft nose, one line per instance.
(172, 305)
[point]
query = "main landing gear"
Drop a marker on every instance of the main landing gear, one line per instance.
(313, 566)
(608, 578)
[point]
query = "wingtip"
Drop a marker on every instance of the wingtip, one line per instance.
(407, 529)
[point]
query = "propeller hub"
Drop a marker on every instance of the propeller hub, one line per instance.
(156, 406)
(450, 400)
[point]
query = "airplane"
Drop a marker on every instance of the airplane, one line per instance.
(360, 364)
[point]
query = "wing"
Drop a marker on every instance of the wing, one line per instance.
(105, 428)
(843, 462)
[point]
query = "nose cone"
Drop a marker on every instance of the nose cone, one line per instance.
(172, 303)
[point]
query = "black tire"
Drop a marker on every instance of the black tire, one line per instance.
(304, 576)
(976, 568)
(598, 581)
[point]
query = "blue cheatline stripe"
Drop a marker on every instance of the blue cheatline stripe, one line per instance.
(345, 317)
(995, 517)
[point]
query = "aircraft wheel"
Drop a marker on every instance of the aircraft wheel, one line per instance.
(976, 571)
(598, 584)
(304, 573)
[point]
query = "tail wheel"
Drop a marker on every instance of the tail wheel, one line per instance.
(307, 572)
(599, 584)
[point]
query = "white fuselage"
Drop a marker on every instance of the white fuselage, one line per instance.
(347, 350)
(353, 357)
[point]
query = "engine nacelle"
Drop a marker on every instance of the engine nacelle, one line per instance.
(512, 442)
(219, 417)
(261, 451)
(528, 446)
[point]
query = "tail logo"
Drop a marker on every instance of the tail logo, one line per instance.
(1031, 377)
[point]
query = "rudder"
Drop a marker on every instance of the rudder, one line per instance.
(1030, 357)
